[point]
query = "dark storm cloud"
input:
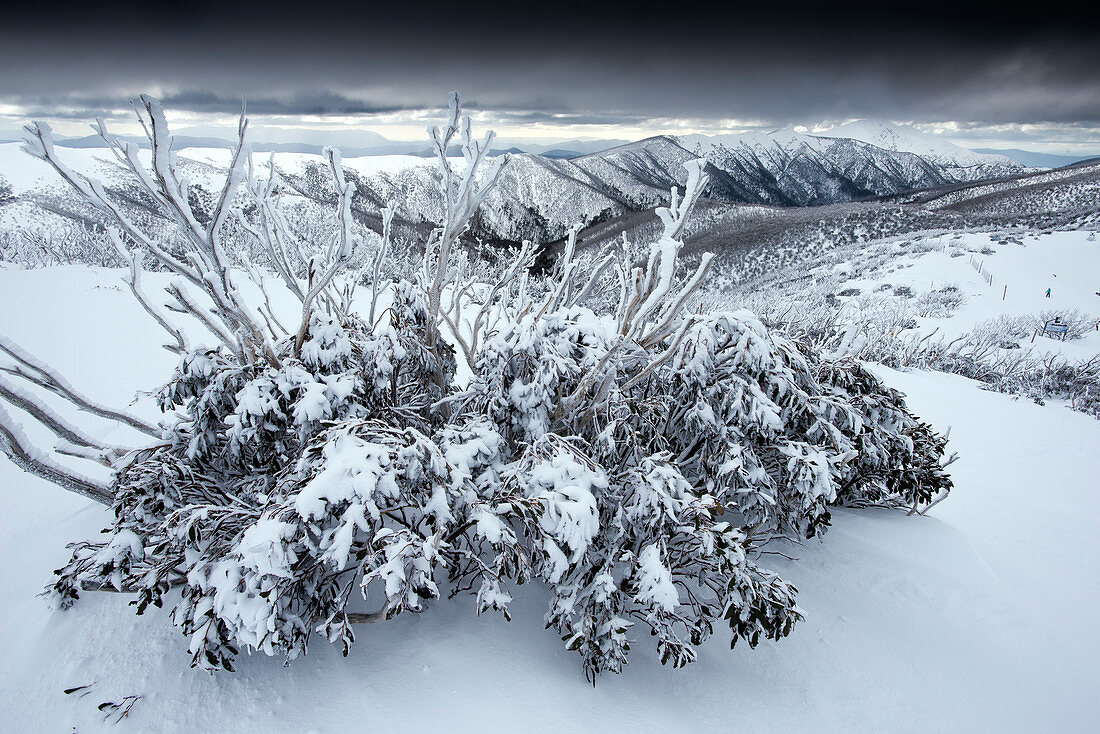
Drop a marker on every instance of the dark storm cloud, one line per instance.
(571, 65)
(302, 103)
(527, 117)
(82, 106)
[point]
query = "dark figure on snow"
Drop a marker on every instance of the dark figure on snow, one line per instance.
(1048, 292)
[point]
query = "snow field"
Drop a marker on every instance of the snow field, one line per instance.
(1066, 262)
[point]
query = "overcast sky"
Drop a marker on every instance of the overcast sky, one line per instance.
(983, 77)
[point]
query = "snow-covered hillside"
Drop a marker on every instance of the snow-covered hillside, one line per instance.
(1068, 263)
(858, 159)
(975, 618)
(787, 167)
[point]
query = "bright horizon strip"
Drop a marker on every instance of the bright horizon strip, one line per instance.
(410, 127)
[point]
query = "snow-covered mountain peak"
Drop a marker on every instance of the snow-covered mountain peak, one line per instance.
(906, 139)
(786, 139)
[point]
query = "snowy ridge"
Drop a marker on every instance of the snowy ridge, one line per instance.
(859, 158)
(964, 164)
(788, 168)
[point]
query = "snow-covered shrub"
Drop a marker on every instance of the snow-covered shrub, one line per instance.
(939, 303)
(588, 431)
(285, 490)
(15, 248)
(1004, 330)
(61, 245)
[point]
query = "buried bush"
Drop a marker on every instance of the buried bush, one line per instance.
(590, 431)
(877, 330)
(940, 303)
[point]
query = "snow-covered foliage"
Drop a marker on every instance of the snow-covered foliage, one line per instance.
(67, 244)
(583, 430)
(939, 303)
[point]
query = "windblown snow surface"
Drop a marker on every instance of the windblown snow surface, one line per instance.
(979, 617)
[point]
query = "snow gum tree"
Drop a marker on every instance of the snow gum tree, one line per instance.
(455, 433)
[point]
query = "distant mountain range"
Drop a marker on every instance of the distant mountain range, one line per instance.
(965, 163)
(859, 159)
(540, 197)
(1038, 160)
(544, 192)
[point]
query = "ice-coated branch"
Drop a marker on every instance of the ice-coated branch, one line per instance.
(272, 232)
(379, 258)
(241, 156)
(595, 277)
(462, 302)
(208, 257)
(563, 279)
(35, 371)
(645, 294)
(662, 358)
(675, 216)
(167, 187)
(338, 252)
(41, 412)
(133, 259)
(39, 144)
(187, 305)
(651, 291)
(205, 265)
(461, 197)
(667, 322)
(266, 310)
(15, 445)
